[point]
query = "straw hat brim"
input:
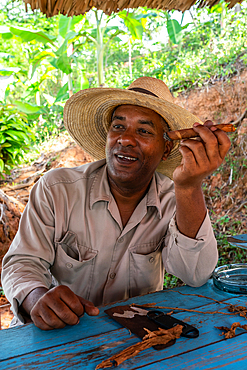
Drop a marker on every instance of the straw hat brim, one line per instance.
(88, 113)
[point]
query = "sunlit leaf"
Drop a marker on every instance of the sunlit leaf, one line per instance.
(27, 108)
(38, 58)
(63, 63)
(63, 48)
(63, 93)
(134, 25)
(15, 134)
(64, 25)
(82, 82)
(5, 32)
(1, 165)
(173, 29)
(75, 20)
(8, 71)
(29, 35)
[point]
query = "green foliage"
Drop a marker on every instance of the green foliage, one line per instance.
(15, 137)
(171, 281)
(132, 23)
(203, 50)
(1, 291)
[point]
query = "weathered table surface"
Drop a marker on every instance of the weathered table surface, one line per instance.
(96, 339)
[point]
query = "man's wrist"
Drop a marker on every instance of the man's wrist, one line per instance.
(189, 188)
(31, 299)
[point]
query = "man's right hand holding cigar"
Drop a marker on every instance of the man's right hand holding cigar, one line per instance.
(200, 158)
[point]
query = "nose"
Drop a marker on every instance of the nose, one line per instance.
(127, 138)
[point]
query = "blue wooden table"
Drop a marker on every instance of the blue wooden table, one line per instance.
(95, 339)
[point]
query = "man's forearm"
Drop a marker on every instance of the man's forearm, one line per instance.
(32, 298)
(190, 210)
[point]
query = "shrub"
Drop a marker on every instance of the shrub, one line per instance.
(15, 137)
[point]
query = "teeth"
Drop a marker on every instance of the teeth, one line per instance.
(128, 158)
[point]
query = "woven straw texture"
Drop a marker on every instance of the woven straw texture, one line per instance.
(88, 113)
(76, 7)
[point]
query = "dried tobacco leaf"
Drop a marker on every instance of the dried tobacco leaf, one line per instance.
(152, 338)
(230, 333)
(241, 310)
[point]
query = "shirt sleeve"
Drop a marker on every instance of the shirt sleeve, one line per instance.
(26, 264)
(191, 260)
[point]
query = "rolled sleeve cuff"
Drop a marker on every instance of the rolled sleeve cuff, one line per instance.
(204, 233)
(191, 260)
(17, 300)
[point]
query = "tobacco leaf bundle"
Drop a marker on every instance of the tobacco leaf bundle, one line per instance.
(152, 338)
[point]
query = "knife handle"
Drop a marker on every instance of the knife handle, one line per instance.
(167, 322)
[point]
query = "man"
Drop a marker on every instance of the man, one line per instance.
(107, 229)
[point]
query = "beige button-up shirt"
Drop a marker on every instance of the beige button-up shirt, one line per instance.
(71, 228)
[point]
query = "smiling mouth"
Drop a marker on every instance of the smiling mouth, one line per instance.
(126, 158)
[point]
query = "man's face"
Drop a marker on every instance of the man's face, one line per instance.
(135, 145)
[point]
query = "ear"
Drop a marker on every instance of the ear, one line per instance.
(167, 150)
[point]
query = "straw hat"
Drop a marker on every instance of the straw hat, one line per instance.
(88, 113)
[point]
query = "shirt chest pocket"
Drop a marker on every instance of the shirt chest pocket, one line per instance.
(146, 268)
(74, 264)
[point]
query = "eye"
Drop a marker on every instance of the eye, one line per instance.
(117, 126)
(144, 131)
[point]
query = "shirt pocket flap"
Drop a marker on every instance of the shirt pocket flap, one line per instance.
(147, 248)
(71, 247)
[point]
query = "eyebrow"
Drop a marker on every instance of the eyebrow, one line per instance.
(143, 122)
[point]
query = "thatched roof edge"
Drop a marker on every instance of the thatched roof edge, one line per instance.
(76, 7)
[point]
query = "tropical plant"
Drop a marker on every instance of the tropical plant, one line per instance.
(104, 34)
(16, 137)
(203, 52)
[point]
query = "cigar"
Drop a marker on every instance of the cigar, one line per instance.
(188, 133)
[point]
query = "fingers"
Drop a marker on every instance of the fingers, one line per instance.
(89, 307)
(46, 319)
(58, 307)
(203, 156)
(207, 123)
(224, 142)
(215, 143)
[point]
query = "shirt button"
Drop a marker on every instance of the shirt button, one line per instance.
(69, 265)
(151, 259)
(112, 275)
(120, 240)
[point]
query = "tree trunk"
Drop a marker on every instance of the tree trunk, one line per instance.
(100, 54)
(70, 85)
(130, 65)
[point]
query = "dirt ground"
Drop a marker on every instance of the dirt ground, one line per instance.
(222, 102)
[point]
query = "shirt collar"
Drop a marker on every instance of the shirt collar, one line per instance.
(100, 190)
